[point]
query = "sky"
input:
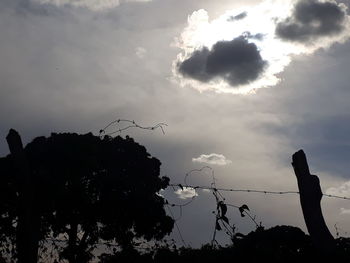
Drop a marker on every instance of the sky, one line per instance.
(242, 85)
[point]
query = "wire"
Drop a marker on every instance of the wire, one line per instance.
(131, 124)
(252, 191)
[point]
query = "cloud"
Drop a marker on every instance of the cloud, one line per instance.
(237, 17)
(311, 19)
(267, 31)
(186, 193)
(94, 5)
(238, 62)
(213, 158)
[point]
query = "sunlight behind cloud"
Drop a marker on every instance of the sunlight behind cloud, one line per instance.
(258, 26)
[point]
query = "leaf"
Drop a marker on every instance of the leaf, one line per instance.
(217, 226)
(225, 219)
(242, 209)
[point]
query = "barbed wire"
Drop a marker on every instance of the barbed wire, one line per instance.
(216, 190)
(251, 190)
(336, 196)
(130, 124)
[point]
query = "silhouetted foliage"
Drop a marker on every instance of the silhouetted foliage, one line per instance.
(277, 244)
(90, 189)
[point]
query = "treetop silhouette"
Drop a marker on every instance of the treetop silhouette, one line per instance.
(91, 189)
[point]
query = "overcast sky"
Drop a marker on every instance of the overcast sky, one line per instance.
(242, 85)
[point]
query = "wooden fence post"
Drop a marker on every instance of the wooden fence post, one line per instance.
(310, 199)
(28, 224)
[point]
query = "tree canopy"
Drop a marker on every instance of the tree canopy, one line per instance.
(90, 189)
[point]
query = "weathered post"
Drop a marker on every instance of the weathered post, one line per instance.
(28, 225)
(310, 199)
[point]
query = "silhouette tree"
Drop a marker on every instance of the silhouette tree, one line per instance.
(90, 189)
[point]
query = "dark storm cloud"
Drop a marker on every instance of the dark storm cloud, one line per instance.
(237, 17)
(311, 19)
(237, 61)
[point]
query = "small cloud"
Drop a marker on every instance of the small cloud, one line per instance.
(213, 158)
(186, 193)
(344, 211)
(240, 16)
(140, 52)
(311, 19)
(237, 62)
